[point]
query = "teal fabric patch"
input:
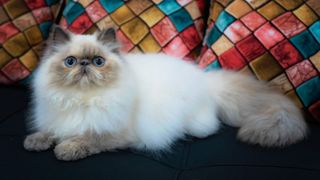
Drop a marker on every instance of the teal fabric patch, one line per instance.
(51, 2)
(72, 11)
(309, 91)
(305, 43)
(224, 20)
(111, 6)
(27, 81)
(315, 30)
(169, 6)
(214, 65)
(213, 36)
(45, 29)
(181, 19)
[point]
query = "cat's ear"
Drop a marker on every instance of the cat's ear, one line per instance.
(58, 35)
(107, 36)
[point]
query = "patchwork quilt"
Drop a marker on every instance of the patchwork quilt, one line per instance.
(273, 40)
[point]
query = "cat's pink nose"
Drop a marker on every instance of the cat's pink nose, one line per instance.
(84, 62)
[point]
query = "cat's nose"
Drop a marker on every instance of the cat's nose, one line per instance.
(84, 62)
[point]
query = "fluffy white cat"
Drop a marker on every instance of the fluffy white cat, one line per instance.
(90, 98)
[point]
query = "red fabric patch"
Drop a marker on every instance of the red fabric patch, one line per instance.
(164, 31)
(253, 20)
(301, 72)
(42, 14)
(232, 59)
(288, 24)
(268, 35)
(63, 23)
(7, 30)
(33, 4)
(314, 109)
(190, 37)
(183, 2)
(3, 1)
(236, 31)
(207, 58)
(200, 25)
(125, 42)
(191, 57)
(81, 24)
(96, 11)
(286, 54)
(15, 70)
(176, 48)
(202, 6)
(250, 48)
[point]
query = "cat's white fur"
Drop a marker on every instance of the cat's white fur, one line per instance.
(158, 99)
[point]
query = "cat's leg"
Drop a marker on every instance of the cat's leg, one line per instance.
(85, 145)
(39, 141)
(204, 123)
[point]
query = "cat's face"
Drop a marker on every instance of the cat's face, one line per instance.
(82, 61)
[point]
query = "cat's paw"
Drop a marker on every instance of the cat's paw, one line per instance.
(38, 142)
(71, 151)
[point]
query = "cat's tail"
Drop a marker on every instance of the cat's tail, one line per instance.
(264, 116)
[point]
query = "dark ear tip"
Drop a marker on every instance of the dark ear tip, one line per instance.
(111, 31)
(56, 27)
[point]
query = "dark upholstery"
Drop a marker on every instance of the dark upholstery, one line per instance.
(218, 157)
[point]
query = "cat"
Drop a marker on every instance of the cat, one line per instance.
(89, 97)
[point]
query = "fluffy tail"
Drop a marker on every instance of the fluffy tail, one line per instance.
(264, 116)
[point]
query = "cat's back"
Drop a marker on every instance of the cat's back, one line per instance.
(165, 74)
(161, 64)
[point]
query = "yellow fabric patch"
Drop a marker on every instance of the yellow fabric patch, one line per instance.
(265, 67)
(149, 44)
(152, 16)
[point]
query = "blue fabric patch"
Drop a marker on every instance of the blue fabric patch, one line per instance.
(213, 36)
(315, 30)
(224, 20)
(27, 81)
(305, 43)
(51, 2)
(111, 6)
(169, 6)
(72, 11)
(309, 91)
(214, 65)
(45, 29)
(181, 19)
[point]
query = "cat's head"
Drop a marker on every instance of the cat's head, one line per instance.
(82, 61)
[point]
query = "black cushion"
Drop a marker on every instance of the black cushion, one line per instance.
(219, 156)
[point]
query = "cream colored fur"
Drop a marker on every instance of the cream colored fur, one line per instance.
(154, 101)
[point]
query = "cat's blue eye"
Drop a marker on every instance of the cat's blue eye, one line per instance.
(98, 61)
(70, 61)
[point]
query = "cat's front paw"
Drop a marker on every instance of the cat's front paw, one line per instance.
(71, 151)
(38, 142)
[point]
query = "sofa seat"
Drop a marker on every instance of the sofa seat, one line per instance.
(219, 156)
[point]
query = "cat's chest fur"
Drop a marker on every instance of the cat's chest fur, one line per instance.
(70, 113)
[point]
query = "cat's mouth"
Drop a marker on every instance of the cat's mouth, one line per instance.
(84, 71)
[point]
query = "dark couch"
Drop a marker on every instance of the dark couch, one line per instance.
(220, 156)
